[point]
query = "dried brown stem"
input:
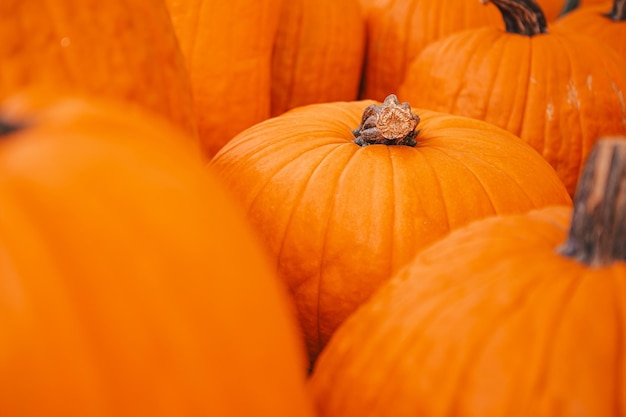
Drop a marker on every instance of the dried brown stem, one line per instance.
(522, 17)
(390, 123)
(618, 12)
(597, 233)
(7, 128)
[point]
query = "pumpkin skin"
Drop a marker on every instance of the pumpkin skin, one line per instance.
(338, 219)
(122, 292)
(84, 46)
(558, 91)
(486, 322)
(593, 21)
(318, 53)
(227, 46)
(398, 30)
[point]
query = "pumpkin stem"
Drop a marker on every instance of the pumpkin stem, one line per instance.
(7, 128)
(597, 233)
(569, 6)
(522, 17)
(618, 12)
(390, 123)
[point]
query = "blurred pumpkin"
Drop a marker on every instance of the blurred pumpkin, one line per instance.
(124, 50)
(339, 213)
(397, 31)
(249, 59)
(122, 291)
(558, 91)
(605, 22)
(507, 317)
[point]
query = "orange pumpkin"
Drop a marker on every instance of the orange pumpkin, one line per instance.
(123, 50)
(399, 30)
(227, 47)
(557, 90)
(506, 317)
(122, 291)
(605, 22)
(318, 53)
(251, 59)
(338, 218)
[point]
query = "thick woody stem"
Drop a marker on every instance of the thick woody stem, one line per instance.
(597, 233)
(390, 123)
(618, 12)
(522, 17)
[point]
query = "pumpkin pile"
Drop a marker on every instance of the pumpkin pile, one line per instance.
(312, 208)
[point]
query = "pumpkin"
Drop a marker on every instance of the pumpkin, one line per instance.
(227, 46)
(605, 22)
(398, 30)
(122, 291)
(339, 213)
(123, 50)
(252, 59)
(509, 316)
(318, 53)
(556, 90)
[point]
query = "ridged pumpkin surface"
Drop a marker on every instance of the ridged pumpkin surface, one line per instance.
(122, 287)
(318, 53)
(593, 21)
(124, 50)
(495, 320)
(227, 47)
(338, 219)
(398, 30)
(558, 91)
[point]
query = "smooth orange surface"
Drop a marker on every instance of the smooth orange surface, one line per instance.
(339, 219)
(129, 284)
(488, 322)
(123, 50)
(558, 91)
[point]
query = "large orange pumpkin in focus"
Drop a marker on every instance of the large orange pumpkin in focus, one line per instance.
(338, 218)
(511, 316)
(130, 285)
(123, 50)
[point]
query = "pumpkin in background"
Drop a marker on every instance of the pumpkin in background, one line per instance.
(318, 53)
(252, 59)
(507, 317)
(557, 90)
(398, 30)
(227, 46)
(338, 218)
(123, 291)
(605, 22)
(124, 50)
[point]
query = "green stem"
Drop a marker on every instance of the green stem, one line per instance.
(597, 235)
(522, 17)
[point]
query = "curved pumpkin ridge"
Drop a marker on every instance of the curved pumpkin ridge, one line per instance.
(331, 217)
